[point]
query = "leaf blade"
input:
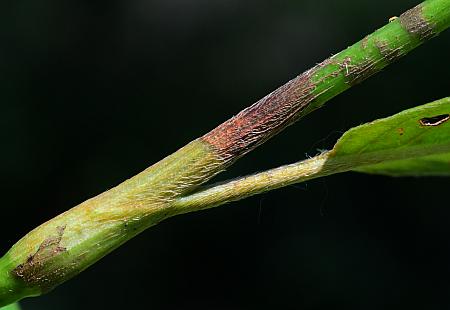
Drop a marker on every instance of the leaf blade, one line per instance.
(432, 165)
(14, 306)
(415, 142)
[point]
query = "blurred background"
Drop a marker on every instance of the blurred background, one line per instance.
(93, 92)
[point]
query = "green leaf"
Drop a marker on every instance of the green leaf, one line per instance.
(415, 142)
(433, 165)
(11, 307)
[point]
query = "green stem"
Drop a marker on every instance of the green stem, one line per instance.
(238, 189)
(66, 245)
(312, 89)
(319, 166)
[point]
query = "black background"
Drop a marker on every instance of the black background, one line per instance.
(92, 92)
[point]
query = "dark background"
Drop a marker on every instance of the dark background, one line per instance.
(92, 92)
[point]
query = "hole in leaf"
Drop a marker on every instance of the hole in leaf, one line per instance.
(434, 120)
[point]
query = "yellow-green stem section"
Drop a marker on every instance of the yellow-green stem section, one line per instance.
(74, 240)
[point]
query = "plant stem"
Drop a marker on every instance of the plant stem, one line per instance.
(219, 194)
(319, 166)
(310, 90)
(66, 245)
(399, 138)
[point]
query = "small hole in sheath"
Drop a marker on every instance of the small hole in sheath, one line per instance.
(434, 120)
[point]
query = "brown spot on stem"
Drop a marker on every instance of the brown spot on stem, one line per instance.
(388, 53)
(355, 73)
(401, 131)
(415, 24)
(364, 42)
(257, 123)
(434, 120)
(31, 271)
